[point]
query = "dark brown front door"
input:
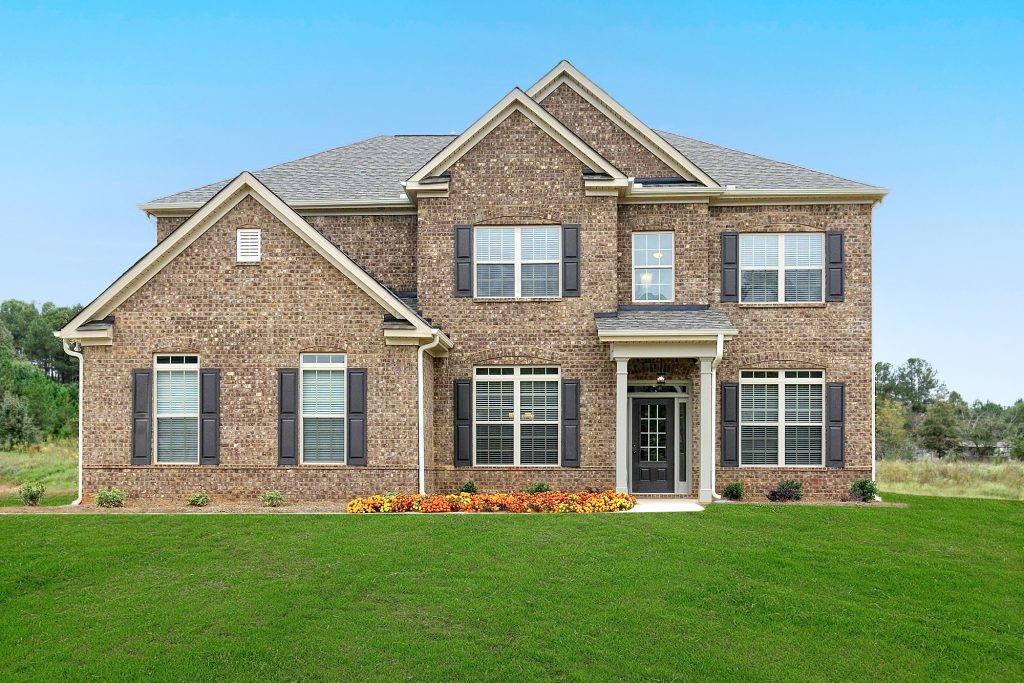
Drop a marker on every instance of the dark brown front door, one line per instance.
(653, 445)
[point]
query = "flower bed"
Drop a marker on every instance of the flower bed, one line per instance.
(550, 501)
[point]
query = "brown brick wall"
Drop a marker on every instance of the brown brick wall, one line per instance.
(165, 225)
(383, 245)
(248, 321)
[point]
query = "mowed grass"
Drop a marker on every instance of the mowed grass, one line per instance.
(54, 464)
(736, 593)
(1003, 480)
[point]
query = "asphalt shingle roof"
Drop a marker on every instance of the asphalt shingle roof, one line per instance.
(664, 318)
(374, 169)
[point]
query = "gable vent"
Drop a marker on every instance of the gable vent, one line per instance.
(248, 241)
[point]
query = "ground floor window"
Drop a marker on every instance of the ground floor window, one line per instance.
(781, 417)
(516, 415)
(322, 401)
(177, 409)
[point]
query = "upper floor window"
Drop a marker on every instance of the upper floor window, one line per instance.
(782, 268)
(516, 415)
(781, 417)
(177, 409)
(248, 245)
(322, 401)
(653, 266)
(515, 262)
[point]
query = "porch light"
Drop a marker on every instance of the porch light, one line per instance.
(659, 380)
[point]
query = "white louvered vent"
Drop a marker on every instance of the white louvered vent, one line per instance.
(249, 245)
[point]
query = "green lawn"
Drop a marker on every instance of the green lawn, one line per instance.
(54, 464)
(930, 592)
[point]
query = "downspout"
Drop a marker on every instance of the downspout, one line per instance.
(719, 350)
(81, 376)
(421, 421)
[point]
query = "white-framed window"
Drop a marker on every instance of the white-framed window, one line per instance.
(248, 243)
(654, 266)
(518, 262)
(516, 415)
(783, 268)
(782, 418)
(177, 409)
(322, 408)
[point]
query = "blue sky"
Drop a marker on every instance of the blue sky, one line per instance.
(103, 106)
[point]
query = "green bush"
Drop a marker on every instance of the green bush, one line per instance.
(734, 491)
(539, 487)
(469, 487)
(31, 492)
(271, 499)
(16, 425)
(788, 490)
(198, 499)
(864, 490)
(110, 498)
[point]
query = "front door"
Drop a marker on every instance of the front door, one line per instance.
(653, 445)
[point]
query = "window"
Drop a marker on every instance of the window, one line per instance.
(177, 410)
(322, 401)
(516, 416)
(248, 242)
(653, 266)
(518, 262)
(781, 268)
(781, 417)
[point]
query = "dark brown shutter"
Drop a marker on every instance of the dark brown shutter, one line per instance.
(570, 423)
(835, 410)
(571, 259)
(288, 416)
(730, 266)
(836, 267)
(463, 436)
(464, 260)
(209, 417)
(730, 424)
(142, 421)
(356, 417)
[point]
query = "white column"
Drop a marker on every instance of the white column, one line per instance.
(621, 425)
(707, 430)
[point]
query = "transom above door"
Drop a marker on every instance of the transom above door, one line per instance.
(653, 445)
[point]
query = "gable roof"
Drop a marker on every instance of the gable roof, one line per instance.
(244, 185)
(515, 101)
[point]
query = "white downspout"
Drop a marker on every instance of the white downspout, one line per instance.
(719, 350)
(81, 376)
(421, 421)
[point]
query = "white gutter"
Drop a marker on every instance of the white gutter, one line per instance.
(421, 421)
(719, 350)
(81, 376)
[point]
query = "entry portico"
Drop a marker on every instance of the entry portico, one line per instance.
(663, 332)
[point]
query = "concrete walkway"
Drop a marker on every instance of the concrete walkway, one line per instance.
(666, 505)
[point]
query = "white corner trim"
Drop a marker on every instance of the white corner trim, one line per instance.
(360, 206)
(515, 101)
(566, 73)
(244, 185)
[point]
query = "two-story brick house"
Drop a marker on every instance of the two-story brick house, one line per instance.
(558, 294)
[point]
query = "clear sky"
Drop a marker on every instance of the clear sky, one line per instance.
(105, 106)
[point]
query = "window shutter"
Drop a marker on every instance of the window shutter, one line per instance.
(730, 424)
(571, 259)
(463, 260)
(730, 266)
(570, 423)
(287, 416)
(209, 417)
(463, 436)
(356, 417)
(142, 420)
(836, 268)
(835, 396)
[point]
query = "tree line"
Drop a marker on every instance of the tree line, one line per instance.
(38, 381)
(916, 415)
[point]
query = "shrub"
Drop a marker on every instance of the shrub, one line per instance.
(539, 487)
(31, 492)
(734, 491)
(864, 490)
(788, 490)
(271, 499)
(469, 487)
(16, 425)
(110, 498)
(553, 501)
(198, 499)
